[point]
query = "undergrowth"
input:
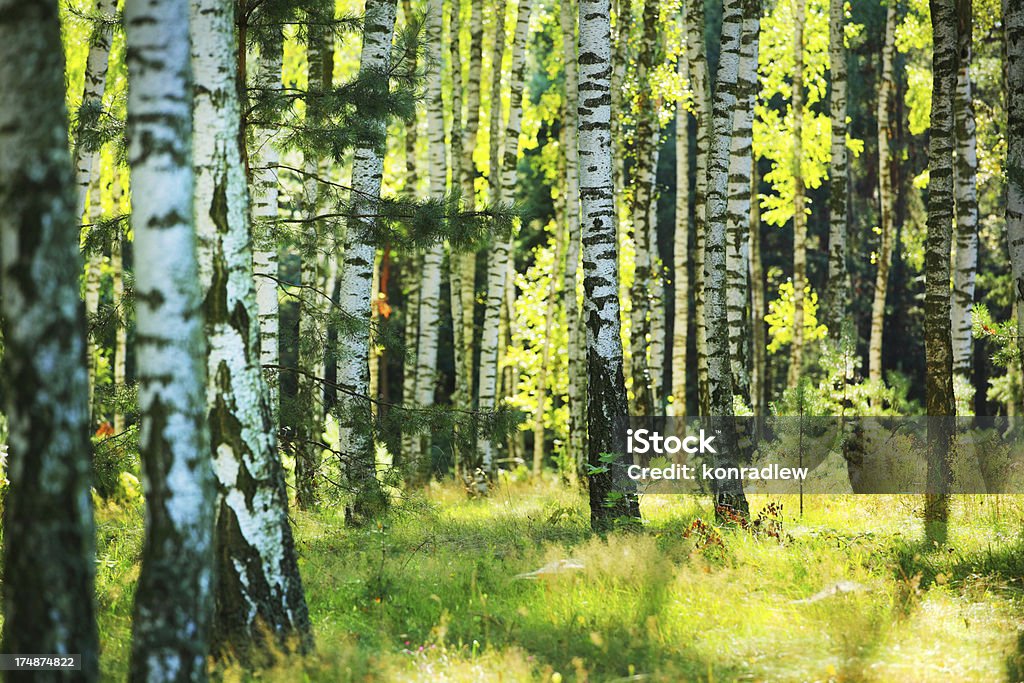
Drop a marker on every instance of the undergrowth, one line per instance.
(436, 592)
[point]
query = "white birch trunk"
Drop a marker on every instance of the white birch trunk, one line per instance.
(263, 159)
(490, 334)
(497, 262)
(171, 638)
(411, 269)
(884, 259)
(646, 139)
(455, 261)
(495, 114)
(939, 399)
(728, 492)
(606, 393)
(1013, 17)
(741, 160)
(965, 172)
(467, 175)
(356, 285)
(121, 334)
(701, 89)
(656, 349)
(796, 356)
(306, 410)
(577, 388)
(681, 249)
(433, 258)
(85, 157)
(259, 591)
(93, 268)
(623, 11)
(838, 174)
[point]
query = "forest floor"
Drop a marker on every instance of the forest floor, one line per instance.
(847, 592)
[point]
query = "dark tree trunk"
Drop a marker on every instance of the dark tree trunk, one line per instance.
(938, 342)
(48, 526)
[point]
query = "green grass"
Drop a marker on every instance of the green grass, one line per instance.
(431, 595)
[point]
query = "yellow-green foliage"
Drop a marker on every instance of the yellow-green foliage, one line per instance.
(780, 318)
(431, 593)
(773, 124)
(914, 38)
(529, 339)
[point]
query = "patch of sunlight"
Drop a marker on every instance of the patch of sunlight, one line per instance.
(949, 638)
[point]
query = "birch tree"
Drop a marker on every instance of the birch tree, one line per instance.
(494, 180)
(86, 152)
(965, 172)
(495, 119)
(741, 161)
(757, 297)
(411, 269)
(796, 357)
(884, 255)
(356, 284)
(174, 595)
(93, 266)
(681, 248)
(497, 262)
(263, 160)
(430, 281)
(48, 549)
(551, 307)
(86, 159)
(467, 177)
(646, 138)
(729, 492)
(117, 291)
(939, 397)
(306, 412)
(621, 54)
(577, 390)
(839, 176)
(1013, 19)
(463, 263)
(606, 392)
(700, 86)
(456, 270)
(657, 347)
(258, 589)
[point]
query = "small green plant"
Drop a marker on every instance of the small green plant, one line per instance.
(1002, 334)
(606, 459)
